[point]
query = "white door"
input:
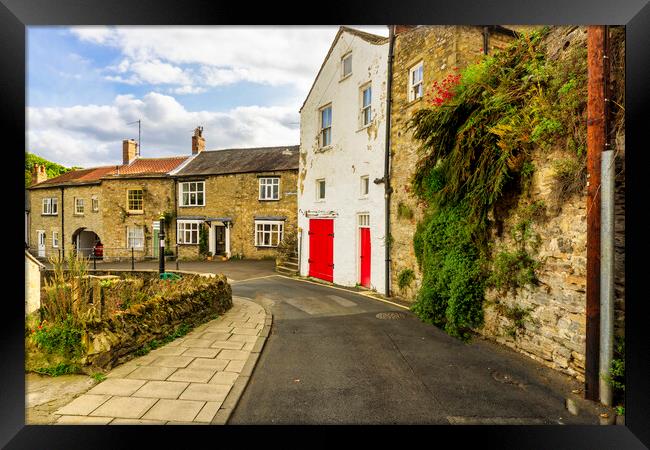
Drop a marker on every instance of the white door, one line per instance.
(41, 244)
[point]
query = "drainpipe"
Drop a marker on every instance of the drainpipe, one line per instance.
(486, 42)
(606, 244)
(595, 147)
(62, 223)
(387, 187)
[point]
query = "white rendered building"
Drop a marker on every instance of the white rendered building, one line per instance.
(341, 210)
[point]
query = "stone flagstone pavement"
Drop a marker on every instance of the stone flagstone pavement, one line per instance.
(196, 379)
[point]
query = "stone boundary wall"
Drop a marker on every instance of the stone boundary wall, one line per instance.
(113, 340)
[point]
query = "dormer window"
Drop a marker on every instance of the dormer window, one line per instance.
(346, 65)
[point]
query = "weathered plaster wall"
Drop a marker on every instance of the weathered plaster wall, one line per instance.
(355, 151)
(237, 196)
(32, 284)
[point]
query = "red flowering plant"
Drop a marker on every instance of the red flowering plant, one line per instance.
(443, 91)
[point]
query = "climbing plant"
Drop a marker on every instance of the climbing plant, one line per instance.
(476, 143)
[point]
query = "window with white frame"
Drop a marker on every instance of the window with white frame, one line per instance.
(416, 88)
(365, 185)
(268, 233)
(366, 99)
(50, 206)
(135, 237)
(78, 205)
(188, 231)
(346, 65)
(320, 189)
(326, 126)
(364, 220)
(193, 193)
(55, 239)
(134, 200)
(269, 188)
(95, 202)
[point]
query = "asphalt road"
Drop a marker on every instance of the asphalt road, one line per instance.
(330, 360)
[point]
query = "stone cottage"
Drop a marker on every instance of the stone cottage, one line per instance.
(239, 202)
(117, 206)
(341, 212)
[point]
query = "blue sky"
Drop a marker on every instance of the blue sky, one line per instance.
(244, 85)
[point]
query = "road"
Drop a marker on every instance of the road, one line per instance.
(330, 360)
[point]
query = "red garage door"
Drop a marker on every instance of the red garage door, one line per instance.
(321, 249)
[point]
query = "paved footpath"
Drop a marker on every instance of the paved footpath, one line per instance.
(196, 379)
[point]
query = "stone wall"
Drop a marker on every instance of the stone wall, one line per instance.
(158, 198)
(441, 49)
(237, 197)
(32, 284)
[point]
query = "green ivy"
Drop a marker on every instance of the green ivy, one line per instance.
(475, 158)
(405, 278)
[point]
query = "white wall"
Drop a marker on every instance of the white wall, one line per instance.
(355, 151)
(32, 284)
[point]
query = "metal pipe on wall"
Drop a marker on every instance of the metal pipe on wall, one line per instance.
(606, 243)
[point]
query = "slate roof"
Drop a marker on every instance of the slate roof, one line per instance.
(242, 160)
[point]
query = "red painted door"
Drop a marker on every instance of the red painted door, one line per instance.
(321, 249)
(365, 257)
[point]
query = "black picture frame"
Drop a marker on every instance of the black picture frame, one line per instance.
(16, 15)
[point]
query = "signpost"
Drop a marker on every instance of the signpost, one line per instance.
(161, 247)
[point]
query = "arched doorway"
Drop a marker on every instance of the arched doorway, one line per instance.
(84, 241)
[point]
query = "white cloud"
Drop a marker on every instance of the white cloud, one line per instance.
(272, 55)
(91, 135)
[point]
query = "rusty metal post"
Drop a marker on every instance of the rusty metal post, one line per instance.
(595, 146)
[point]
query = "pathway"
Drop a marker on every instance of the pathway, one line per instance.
(196, 379)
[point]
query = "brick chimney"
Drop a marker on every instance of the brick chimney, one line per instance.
(403, 28)
(38, 173)
(198, 141)
(129, 151)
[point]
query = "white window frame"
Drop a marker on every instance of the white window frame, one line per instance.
(324, 129)
(95, 203)
(266, 189)
(185, 228)
(363, 220)
(128, 201)
(55, 239)
(79, 206)
(366, 108)
(343, 59)
(185, 189)
(261, 233)
(364, 185)
(318, 183)
(135, 235)
(50, 206)
(419, 84)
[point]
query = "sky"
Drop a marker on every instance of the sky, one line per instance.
(244, 85)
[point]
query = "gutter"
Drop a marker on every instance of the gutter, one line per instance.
(387, 187)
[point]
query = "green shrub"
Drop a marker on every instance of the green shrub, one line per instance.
(616, 374)
(59, 338)
(404, 211)
(451, 295)
(405, 278)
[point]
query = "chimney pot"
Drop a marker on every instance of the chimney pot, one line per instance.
(129, 151)
(38, 173)
(198, 141)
